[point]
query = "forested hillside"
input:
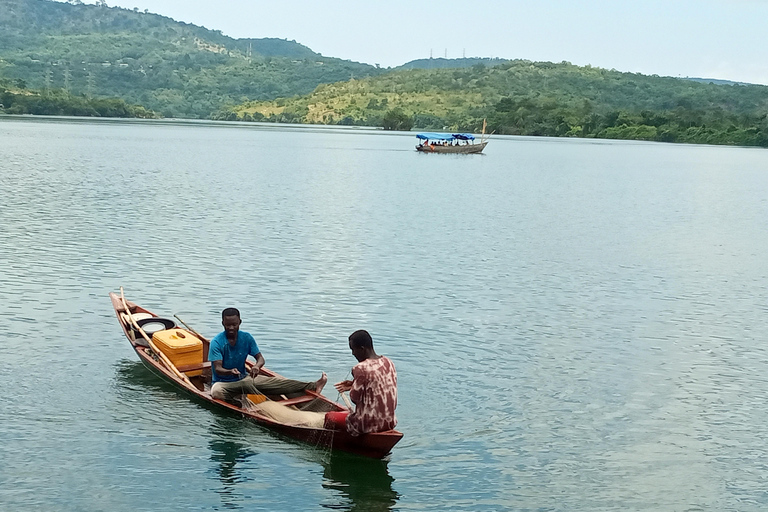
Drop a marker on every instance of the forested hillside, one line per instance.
(535, 98)
(62, 56)
(15, 98)
(176, 69)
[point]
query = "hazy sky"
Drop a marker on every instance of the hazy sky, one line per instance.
(695, 38)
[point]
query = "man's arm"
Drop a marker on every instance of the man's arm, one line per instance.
(343, 386)
(359, 381)
(256, 368)
(218, 367)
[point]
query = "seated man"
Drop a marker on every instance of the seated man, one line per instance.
(228, 353)
(373, 389)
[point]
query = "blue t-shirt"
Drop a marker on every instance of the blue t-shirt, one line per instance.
(232, 357)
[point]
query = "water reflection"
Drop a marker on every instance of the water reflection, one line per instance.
(226, 456)
(244, 460)
(359, 484)
(141, 391)
(364, 484)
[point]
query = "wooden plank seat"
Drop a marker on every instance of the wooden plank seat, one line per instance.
(192, 367)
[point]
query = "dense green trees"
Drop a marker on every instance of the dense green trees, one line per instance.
(535, 115)
(177, 69)
(542, 98)
(396, 119)
(16, 99)
(72, 52)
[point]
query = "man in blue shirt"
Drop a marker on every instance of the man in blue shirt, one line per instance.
(228, 353)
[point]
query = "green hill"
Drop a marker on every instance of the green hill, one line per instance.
(15, 98)
(536, 98)
(177, 69)
(68, 51)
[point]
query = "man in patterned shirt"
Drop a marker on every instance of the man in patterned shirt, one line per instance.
(373, 389)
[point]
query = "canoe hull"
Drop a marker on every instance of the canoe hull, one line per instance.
(376, 445)
(465, 149)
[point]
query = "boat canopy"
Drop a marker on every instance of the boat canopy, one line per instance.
(445, 136)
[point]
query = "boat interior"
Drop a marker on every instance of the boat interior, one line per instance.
(187, 351)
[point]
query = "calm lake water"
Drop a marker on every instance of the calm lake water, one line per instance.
(577, 325)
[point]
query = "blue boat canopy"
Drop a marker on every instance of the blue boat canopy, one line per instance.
(445, 136)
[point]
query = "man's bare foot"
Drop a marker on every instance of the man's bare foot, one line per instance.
(320, 384)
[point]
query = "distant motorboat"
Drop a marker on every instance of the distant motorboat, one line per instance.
(447, 143)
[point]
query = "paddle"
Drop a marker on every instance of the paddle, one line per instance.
(206, 341)
(157, 351)
(191, 329)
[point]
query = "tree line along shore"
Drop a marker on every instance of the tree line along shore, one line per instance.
(76, 59)
(533, 98)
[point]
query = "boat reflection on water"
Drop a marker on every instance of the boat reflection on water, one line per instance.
(356, 483)
(365, 484)
(227, 455)
(359, 483)
(240, 452)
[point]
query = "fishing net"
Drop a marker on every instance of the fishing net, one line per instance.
(287, 415)
(316, 405)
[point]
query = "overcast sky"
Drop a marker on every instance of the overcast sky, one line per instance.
(687, 38)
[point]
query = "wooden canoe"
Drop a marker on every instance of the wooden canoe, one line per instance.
(190, 379)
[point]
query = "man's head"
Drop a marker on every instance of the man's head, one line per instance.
(361, 344)
(230, 319)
